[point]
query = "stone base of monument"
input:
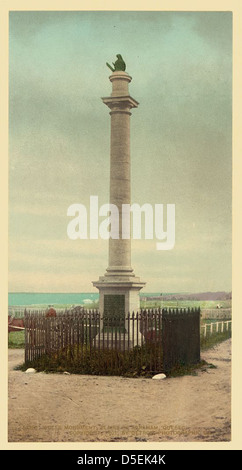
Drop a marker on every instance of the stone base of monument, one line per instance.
(119, 342)
(119, 294)
(119, 304)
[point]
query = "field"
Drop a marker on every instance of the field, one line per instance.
(18, 312)
(16, 340)
(203, 304)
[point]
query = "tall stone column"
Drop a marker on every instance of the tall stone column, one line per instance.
(120, 104)
(119, 287)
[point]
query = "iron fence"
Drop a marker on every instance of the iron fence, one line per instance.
(148, 341)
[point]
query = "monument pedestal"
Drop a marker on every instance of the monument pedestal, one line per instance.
(118, 286)
(118, 297)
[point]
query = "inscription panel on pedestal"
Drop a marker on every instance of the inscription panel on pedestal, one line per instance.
(114, 310)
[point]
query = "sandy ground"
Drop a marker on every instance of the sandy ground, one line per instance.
(80, 408)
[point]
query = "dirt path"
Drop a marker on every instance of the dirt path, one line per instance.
(77, 408)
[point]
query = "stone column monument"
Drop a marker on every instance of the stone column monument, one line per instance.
(119, 287)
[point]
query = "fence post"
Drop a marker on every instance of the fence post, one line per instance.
(128, 330)
(26, 335)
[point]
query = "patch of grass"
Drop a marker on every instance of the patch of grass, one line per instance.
(211, 340)
(134, 363)
(16, 340)
(192, 369)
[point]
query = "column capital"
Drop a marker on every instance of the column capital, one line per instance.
(116, 103)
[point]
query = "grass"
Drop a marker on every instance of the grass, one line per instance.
(211, 340)
(111, 363)
(16, 340)
(134, 363)
(192, 369)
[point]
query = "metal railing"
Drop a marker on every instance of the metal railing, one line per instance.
(149, 340)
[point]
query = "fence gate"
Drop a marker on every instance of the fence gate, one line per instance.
(180, 337)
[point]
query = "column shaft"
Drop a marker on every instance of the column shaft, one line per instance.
(120, 250)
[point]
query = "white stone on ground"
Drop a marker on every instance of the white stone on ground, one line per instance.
(159, 376)
(30, 371)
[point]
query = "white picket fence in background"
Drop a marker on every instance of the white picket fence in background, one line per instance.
(215, 327)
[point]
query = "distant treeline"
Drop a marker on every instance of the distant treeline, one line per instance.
(199, 296)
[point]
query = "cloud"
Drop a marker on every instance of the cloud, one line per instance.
(20, 281)
(215, 28)
(60, 137)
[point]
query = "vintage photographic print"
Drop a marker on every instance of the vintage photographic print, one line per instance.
(120, 226)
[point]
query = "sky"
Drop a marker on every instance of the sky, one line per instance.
(59, 143)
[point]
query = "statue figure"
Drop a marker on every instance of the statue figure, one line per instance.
(118, 65)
